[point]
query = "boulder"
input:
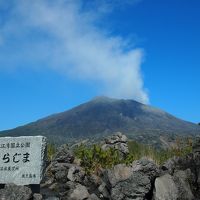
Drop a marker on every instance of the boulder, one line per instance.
(117, 174)
(93, 197)
(117, 137)
(196, 167)
(76, 174)
(182, 180)
(146, 167)
(137, 186)
(59, 171)
(132, 182)
(77, 192)
(169, 166)
(37, 196)
(165, 188)
(196, 145)
(189, 162)
(103, 190)
(92, 180)
(14, 192)
(64, 155)
(117, 141)
(176, 187)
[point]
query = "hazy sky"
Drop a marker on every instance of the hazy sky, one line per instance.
(57, 54)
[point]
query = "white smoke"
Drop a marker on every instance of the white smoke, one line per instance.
(64, 36)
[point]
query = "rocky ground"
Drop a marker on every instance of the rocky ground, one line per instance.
(65, 179)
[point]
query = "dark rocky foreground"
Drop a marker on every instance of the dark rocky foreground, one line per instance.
(65, 179)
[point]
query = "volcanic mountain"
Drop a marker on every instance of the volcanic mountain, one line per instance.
(103, 116)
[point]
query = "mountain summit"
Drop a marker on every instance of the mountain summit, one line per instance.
(103, 116)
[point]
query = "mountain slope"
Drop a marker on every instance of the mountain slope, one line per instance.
(104, 115)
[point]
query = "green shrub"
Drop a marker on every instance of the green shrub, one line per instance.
(137, 151)
(51, 150)
(94, 158)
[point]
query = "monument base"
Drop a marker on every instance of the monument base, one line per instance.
(35, 188)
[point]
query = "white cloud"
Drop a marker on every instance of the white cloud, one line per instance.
(65, 37)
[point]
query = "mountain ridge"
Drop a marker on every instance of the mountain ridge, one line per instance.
(103, 116)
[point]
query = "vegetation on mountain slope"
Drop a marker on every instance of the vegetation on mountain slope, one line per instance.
(102, 117)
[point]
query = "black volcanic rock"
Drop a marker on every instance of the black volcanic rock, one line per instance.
(177, 179)
(103, 116)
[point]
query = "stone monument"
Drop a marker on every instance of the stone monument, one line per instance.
(22, 159)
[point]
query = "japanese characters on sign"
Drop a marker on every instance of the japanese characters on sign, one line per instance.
(22, 159)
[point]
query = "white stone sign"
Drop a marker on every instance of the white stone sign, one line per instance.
(22, 159)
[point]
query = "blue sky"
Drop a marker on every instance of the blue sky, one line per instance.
(57, 54)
